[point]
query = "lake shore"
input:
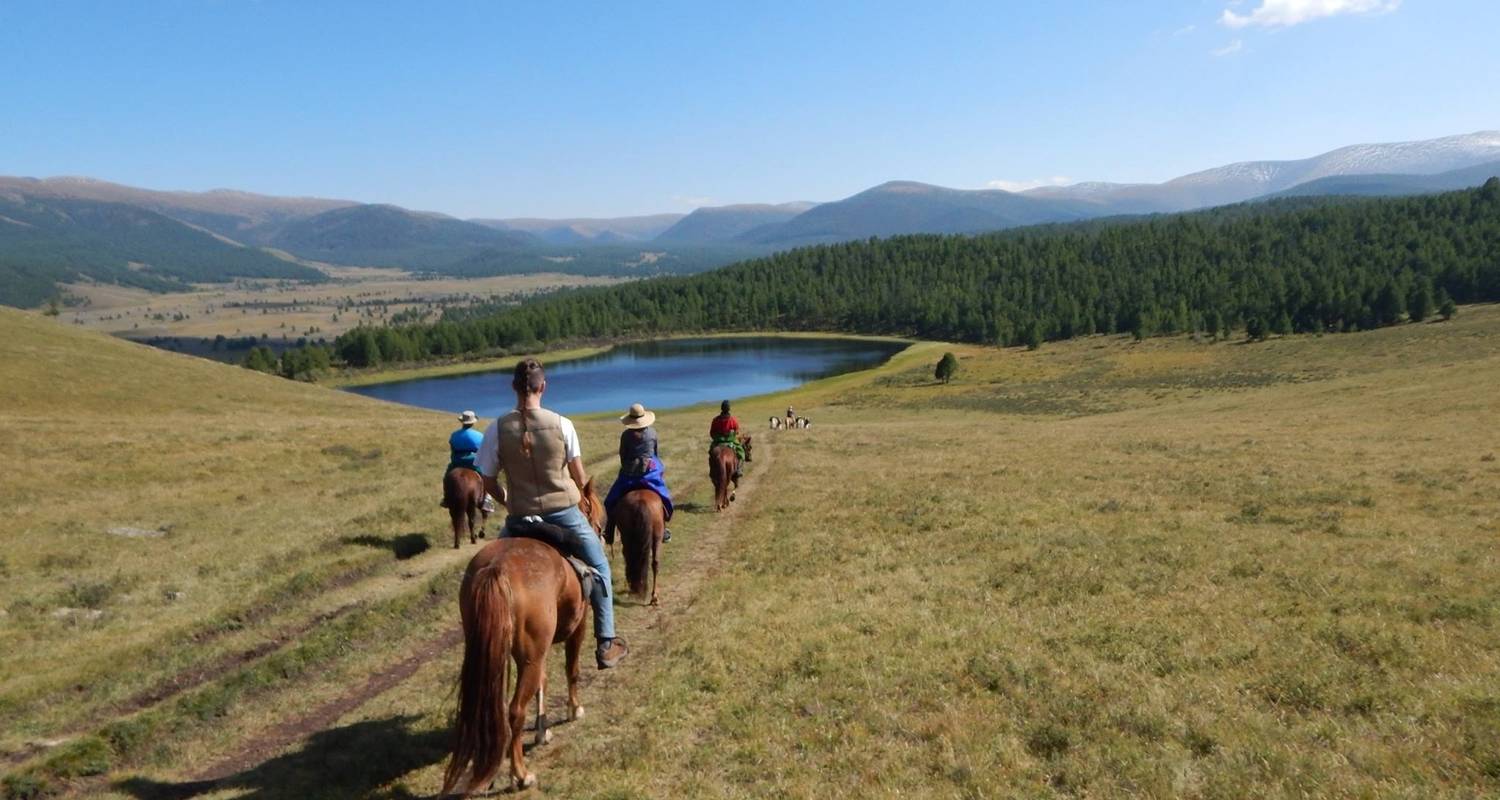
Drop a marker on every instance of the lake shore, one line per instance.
(355, 378)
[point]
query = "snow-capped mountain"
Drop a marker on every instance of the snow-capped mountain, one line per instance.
(1233, 183)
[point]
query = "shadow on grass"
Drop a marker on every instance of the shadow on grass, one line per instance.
(403, 547)
(352, 761)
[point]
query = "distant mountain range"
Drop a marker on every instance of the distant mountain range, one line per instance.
(730, 223)
(588, 230)
(1247, 180)
(60, 229)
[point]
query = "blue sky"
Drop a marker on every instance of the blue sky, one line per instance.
(553, 109)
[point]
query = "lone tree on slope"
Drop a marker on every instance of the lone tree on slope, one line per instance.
(947, 366)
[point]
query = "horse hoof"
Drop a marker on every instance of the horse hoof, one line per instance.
(526, 782)
(575, 713)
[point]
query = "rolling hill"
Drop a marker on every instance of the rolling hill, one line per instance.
(48, 240)
(383, 235)
(243, 216)
(588, 230)
(1246, 180)
(900, 207)
(726, 223)
(1390, 185)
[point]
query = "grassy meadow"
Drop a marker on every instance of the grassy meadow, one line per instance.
(1105, 568)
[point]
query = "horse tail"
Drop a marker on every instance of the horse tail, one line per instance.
(457, 501)
(636, 529)
(482, 732)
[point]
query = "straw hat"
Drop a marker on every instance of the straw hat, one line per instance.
(468, 418)
(638, 417)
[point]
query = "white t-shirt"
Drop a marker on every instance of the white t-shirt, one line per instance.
(487, 461)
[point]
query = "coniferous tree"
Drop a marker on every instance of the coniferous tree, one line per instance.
(947, 367)
(1446, 307)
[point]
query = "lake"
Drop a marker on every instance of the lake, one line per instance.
(665, 374)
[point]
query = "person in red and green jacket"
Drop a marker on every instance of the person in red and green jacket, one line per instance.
(725, 430)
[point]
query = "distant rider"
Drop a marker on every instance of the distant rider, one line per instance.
(543, 463)
(725, 430)
(463, 445)
(640, 466)
(791, 417)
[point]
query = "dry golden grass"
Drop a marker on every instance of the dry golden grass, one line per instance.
(1104, 569)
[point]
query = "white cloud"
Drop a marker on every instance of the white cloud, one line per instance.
(1021, 186)
(1185, 30)
(692, 201)
(1228, 49)
(1286, 13)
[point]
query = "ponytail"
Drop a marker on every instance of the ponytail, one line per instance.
(527, 380)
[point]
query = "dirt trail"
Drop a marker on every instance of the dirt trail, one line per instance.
(678, 590)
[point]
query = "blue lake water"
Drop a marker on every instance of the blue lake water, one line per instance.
(666, 374)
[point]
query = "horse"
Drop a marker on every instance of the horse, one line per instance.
(721, 463)
(777, 423)
(804, 423)
(641, 518)
(463, 495)
(519, 597)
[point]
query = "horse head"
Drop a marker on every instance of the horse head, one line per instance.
(745, 443)
(592, 507)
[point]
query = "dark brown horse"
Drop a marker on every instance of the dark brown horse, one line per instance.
(519, 597)
(463, 496)
(641, 518)
(721, 464)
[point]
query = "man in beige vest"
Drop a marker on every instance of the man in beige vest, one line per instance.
(539, 453)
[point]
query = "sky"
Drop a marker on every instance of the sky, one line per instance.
(490, 109)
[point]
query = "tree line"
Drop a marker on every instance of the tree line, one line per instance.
(1273, 267)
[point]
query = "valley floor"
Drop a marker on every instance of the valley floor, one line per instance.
(1103, 568)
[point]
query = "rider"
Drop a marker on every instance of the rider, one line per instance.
(725, 430)
(640, 466)
(543, 463)
(462, 447)
(791, 417)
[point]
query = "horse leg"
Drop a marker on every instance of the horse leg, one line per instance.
(457, 519)
(543, 733)
(473, 520)
(528, 680)
(655, 543)
(571, 650)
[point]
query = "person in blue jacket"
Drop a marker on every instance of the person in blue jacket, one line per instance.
(463, 447)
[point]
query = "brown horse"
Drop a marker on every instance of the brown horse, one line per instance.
(642, 518)
(463, 496)
(519, 597)
(721, 464)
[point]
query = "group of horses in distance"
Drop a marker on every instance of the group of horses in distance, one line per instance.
(519, 597)
(782, 423)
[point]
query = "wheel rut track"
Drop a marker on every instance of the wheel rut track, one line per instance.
(645, 645)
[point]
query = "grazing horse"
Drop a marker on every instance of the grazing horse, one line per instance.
(642, 518)
(721, 472)
(463, 495)
(519, 597)
(777, 423)
(804, 423)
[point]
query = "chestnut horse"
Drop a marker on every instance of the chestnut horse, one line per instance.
(519, 597)
(463, 496)
(641, 518)
(721, 472)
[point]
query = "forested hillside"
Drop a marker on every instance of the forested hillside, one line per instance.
(1272, 267)
(44, 241)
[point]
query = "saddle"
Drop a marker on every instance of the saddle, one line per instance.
(547, 533)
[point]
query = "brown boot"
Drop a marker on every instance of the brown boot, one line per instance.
(610, 652)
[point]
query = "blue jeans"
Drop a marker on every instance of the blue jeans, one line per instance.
(584, 544)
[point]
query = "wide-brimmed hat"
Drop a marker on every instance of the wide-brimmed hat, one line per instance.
(638, 417)
(468, 418)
